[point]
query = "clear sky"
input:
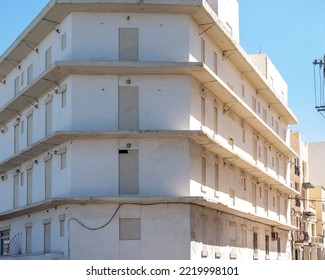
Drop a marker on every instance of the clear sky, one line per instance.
(291, 32)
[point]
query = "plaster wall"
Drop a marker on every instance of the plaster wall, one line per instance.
(217, 235)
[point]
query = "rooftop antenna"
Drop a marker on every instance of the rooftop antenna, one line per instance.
(319, 85)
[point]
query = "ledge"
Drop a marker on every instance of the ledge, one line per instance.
(60, 70)
(235, 53)
(199, 137)
(57, 10)
(48, 256)
(140, 200)
(211, 143)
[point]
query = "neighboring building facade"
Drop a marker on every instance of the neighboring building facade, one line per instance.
(307, 207)
(308, 213)
(317, 195)
(299, 238)
(115, 144)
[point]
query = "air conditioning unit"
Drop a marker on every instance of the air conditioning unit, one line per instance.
(275, 235)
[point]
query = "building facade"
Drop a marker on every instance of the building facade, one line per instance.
(307, 208)
(142, 130)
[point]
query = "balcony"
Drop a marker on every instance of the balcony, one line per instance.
(318, 240)
(302, 238)
(211, 143)
(211, 203)
(60, 70)
(56, 11)
(309, 214)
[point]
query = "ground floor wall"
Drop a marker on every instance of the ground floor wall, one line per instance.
(161, 231)
(98, 232)
(218, 235)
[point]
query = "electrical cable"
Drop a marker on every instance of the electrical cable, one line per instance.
(321, 99)
(115, 212)
(315, 90)
(100, 227)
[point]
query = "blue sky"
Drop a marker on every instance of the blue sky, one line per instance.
(291, 32)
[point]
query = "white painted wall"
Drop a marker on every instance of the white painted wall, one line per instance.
(226, 235)
(61, 180)
(94, 103)
(230, 179)
(160, 239)
(38, 60)
(164, 167)
(158, 35)
(273, 76)
(94, 168)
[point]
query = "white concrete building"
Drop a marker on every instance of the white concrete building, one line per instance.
(142, 130)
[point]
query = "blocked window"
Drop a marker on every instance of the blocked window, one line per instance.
(255, 149)
(202, 111)
(48, 118)
(215, 116)
(254, 196)
(128, 108)
(15, 188)
(48, 178)
(29, 130)
(128, 44)
(215, 62)
(22, 78)
(63, 41)
(128, 172)
(63, 160)
(47, 237)
(202, 50)
(264, 115)
(265, 156)
(130, 229)
(29, 186)
(22, 127)
(48, 58)
(62, 220)
(64, 96)
(276, 127)
(232, 198)
(216, 177)
(28, 232)
(203, 170)
(254, 103)
(16, 138)
(266, 202)
(29, 74)
(244, 183)
(255, 242)
(16, 86)
(267, 244)
(279, 246)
